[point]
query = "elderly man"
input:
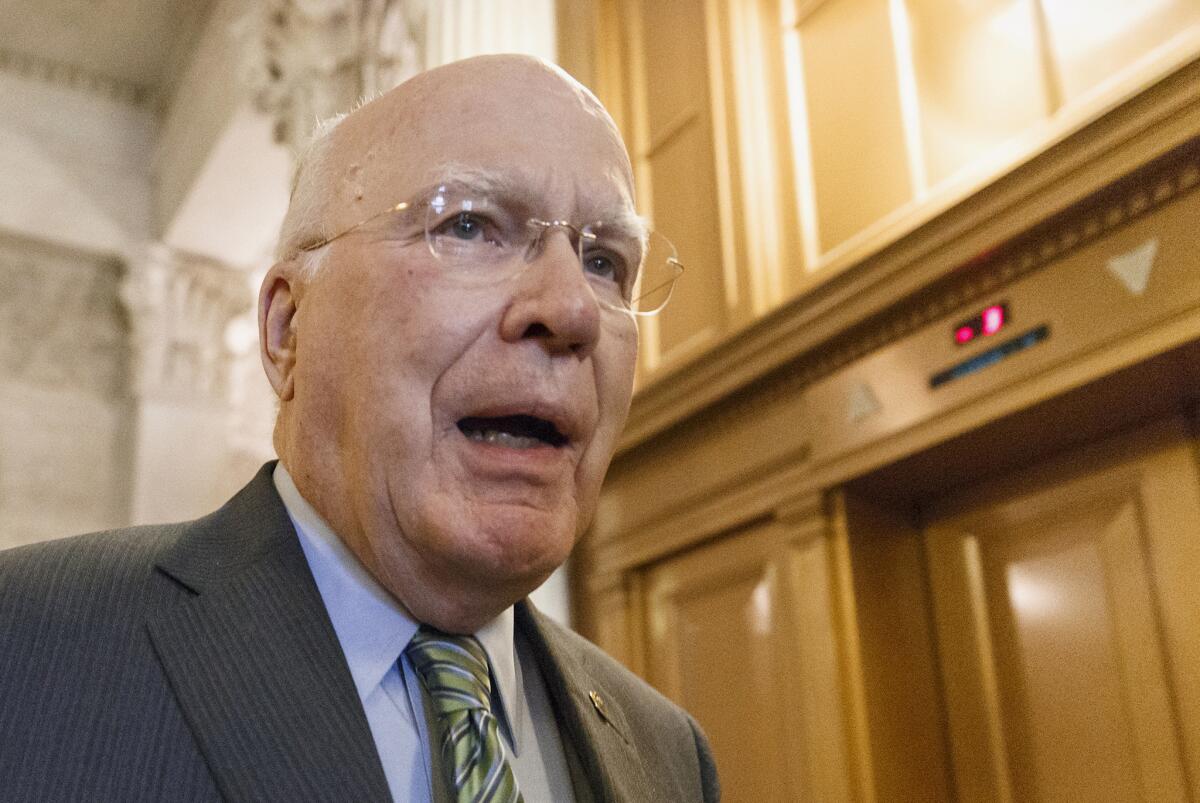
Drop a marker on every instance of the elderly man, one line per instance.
(451, 331)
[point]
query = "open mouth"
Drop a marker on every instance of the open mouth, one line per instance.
(513, 431)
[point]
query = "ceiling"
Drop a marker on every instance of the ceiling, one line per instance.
(140, 43)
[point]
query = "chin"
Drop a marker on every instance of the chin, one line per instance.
(485, 552)
(517, 546)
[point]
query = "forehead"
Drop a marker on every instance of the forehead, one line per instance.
(538, 136)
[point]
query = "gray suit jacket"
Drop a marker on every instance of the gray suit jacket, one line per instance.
(196, 661)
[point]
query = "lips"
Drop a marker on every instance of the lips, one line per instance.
(517, 431)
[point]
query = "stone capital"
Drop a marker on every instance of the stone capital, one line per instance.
(310, 59)
(179, 308)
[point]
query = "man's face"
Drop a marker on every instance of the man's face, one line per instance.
(409, 382)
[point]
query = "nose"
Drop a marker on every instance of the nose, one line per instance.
(553, 302)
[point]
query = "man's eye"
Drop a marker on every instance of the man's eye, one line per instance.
(465, 226)
(604, 266)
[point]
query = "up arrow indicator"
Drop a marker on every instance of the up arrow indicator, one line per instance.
(1133, 267)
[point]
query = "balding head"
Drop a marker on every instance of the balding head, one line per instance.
(453, 422)
(464, 108)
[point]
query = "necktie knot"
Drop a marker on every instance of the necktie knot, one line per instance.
(454, 672)
(453, 669)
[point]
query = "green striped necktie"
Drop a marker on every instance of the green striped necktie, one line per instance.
(454, 671)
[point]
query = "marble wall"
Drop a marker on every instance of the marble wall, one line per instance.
(64, 359)
(114, 392)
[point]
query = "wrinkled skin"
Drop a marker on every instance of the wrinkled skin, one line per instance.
(377, 357)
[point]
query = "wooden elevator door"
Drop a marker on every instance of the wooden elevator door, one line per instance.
(720, 620)
(1066, 604)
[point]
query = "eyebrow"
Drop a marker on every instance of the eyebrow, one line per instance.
(500, 184)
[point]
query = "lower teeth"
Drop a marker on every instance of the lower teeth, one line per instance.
(503, 439)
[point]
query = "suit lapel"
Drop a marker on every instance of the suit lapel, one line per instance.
(591, 722)
(255, 664)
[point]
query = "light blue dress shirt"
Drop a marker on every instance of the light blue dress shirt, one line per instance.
(374, 628)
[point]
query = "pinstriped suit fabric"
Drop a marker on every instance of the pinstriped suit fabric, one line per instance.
(84, 711)
(188, 662)
(196, 662)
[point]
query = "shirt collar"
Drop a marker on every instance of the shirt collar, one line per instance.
(371, 625)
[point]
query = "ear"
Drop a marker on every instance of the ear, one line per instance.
(278, 301)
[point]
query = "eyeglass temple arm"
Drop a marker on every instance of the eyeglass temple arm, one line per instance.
(400, 207)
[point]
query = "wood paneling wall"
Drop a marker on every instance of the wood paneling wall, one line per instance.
(844, 198)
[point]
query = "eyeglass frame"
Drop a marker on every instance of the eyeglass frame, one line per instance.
(544, 226)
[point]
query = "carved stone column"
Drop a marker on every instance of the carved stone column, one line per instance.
(63, 356)
(179, 307)
(310, 59)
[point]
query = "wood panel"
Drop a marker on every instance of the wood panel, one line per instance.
(979, 84)
(680, 174)
(860, 165)
(671, 143)
(756, 176)
(900, 680)
(1092, 43)
(714, 637)
(745, 634)
(1060, 657)
(612, 616)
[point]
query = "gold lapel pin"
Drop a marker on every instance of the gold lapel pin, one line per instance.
(598, 704)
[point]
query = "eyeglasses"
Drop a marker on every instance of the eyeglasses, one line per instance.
(487, 237)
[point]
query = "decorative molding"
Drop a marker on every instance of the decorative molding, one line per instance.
(805, 515)
(600, 584)
(1132, 197)
(72, 76)
(805, 9)
(180, 307)
(61, 325)
(311, 59)
(308, 60)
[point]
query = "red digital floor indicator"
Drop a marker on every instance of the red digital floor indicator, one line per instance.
(988, 322)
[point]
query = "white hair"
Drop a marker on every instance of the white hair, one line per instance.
(305, 218)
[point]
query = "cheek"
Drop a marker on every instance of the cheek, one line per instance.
(411, 329)
(616, 373)
(325, 370)
(614, 387)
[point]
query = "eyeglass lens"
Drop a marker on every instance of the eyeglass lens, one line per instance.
(486, 239)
